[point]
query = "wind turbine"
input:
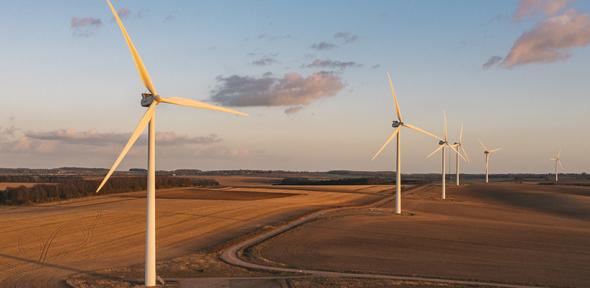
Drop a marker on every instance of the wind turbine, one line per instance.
(459, 146)
(398, 124)
(557, 164)
(151, 101)
(442, 145)
(487, 152)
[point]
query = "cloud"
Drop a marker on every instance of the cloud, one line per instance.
(294, 109)
(85, 22)
(69, 147)
(171, 16)
(124, 13)
(493, 61)
(376, 66)
(270, 37)
(95, 138)
(222, 152)
(85, 26)
(346, 37)
(289, 91)
(264, 61)
(550, 40)
(529, 8)
(323, 46)
(317, 63)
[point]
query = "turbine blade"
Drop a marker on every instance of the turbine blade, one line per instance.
(422, 131)
(143, 73)
(464, 153)
(483, 145)
(495, 150)
(435, 150)
(456, 151)
(560, 165)
(201, 105)
(461, 134)
(136, 133)
(397, 111)
(445, 129)
(395, 132)
(558, 153)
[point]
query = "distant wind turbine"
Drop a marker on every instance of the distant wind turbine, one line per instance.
(398, 124)
(487, 152)
(150, 100)
(459, 146)
(557, 160)
(442, 145)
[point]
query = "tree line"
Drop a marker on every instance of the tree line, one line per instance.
(56, 188)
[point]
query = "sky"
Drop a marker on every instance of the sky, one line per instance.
(311, 75)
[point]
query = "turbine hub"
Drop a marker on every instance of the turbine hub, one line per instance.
(396, 124)
(147, 99)
(486, 152)
(441, 142)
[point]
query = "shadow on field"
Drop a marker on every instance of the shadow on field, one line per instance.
(533, 197)
(206, 194)
(64, 268)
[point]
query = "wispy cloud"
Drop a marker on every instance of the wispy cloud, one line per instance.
(493, 61)
(271, 37)
(346, 37)
(293, 110)
(84, 26)
(170, 16)
(94, 137)
(124, 13)
(264, 61)
(323, 46)
(292, 90)
(331, 64)
(528, 8)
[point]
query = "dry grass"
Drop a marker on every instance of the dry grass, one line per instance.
(43, 244)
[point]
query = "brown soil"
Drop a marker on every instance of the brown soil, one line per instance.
(41, 245)
(507, 233)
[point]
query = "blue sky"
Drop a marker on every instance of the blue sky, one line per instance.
(66, 85)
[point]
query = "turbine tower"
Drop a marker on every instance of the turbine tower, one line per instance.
(442, 145)
(150, 100)
(557, 160)
(487, 152)
(459, 146)
(397, 125)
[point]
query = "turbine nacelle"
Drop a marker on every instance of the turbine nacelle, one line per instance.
(442, 142)
(396, 124)
(148, 98)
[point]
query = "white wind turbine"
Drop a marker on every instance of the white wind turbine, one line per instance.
(150, 100)
(557, 160)
(459, 146)
(487, 152)
(398, 124)
(442, 145)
